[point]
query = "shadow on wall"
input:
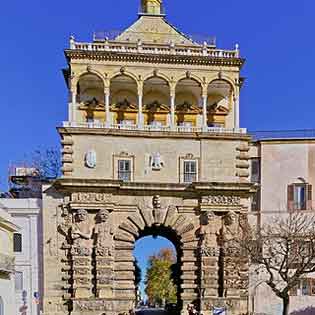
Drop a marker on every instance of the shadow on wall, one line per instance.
(306, 311)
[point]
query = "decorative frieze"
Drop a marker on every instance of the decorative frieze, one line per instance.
(221, 200)
(82, 197)
(92, 305)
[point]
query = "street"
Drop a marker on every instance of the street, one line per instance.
(150, 311)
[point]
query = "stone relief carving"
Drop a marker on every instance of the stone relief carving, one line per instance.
(104, 234)
(210, 234)
(156, 162)
(91, 197)
(90, 159)
(230, 233)
(81, 234)
(222, 200)
(90, 305)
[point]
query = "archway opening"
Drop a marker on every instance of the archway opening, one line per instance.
(158, 255)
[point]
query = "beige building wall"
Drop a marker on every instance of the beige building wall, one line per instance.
(7, 264)
(216, 159)
(282, 163)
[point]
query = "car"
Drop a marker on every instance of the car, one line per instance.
(170, 308)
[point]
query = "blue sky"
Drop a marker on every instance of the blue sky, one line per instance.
(276, 37)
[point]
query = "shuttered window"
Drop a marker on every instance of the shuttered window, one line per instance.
(17, 242)
(300, 197)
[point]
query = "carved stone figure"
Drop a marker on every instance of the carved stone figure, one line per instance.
(81, 234)
(156, 162)
(90, 159)
(104, 234)
(210, 233)
(230, 229)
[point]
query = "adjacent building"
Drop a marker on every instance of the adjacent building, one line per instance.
(283, 166)
(7, 262)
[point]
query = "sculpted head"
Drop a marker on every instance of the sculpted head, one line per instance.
(230, 218)
(210, 216)
(82, 215)
(103, 215)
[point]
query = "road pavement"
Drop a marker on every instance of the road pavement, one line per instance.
(150, 311)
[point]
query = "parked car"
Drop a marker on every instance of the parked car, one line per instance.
(170, 308)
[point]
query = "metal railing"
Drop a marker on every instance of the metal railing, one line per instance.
(151, 128)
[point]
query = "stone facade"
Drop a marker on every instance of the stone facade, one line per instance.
(152, 146)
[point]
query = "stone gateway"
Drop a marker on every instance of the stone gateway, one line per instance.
(161, 114)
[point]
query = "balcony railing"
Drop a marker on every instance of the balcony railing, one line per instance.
(7, 263)
(180, 129)
(156, 49)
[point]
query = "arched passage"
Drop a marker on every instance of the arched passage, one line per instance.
(220, 104)
(169, 223)
(156, 258)
(90, 89)
(188, 102)
(124, 100)
(156, 99)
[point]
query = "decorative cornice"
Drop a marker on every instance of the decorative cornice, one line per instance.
(145, 58)
(98, 185)
(155, 134)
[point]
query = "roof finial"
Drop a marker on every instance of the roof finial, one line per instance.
(152, 7)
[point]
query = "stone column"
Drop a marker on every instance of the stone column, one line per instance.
(204, 112)
(209, 259)
(104, 259)
(172, 96)
(73, 105)
(107, 107)
(231, 255)
(81, 255)
(236, 111)
(140, 99)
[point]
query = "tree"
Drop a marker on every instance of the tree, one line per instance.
(47, 162)
(160, 287)
(283, 251)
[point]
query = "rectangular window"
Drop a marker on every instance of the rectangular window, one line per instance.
(17, 242)
(18, 281)
(255, 171)
(305, 289)
(124, 170)
(300, 197)
(190, 171)
(256, 201)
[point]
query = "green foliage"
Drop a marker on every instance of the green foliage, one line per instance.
(160, 287)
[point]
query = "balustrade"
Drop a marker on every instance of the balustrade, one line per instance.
(134, 127)
(157, 50)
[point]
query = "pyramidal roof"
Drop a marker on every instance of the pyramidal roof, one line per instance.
(151, 28)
